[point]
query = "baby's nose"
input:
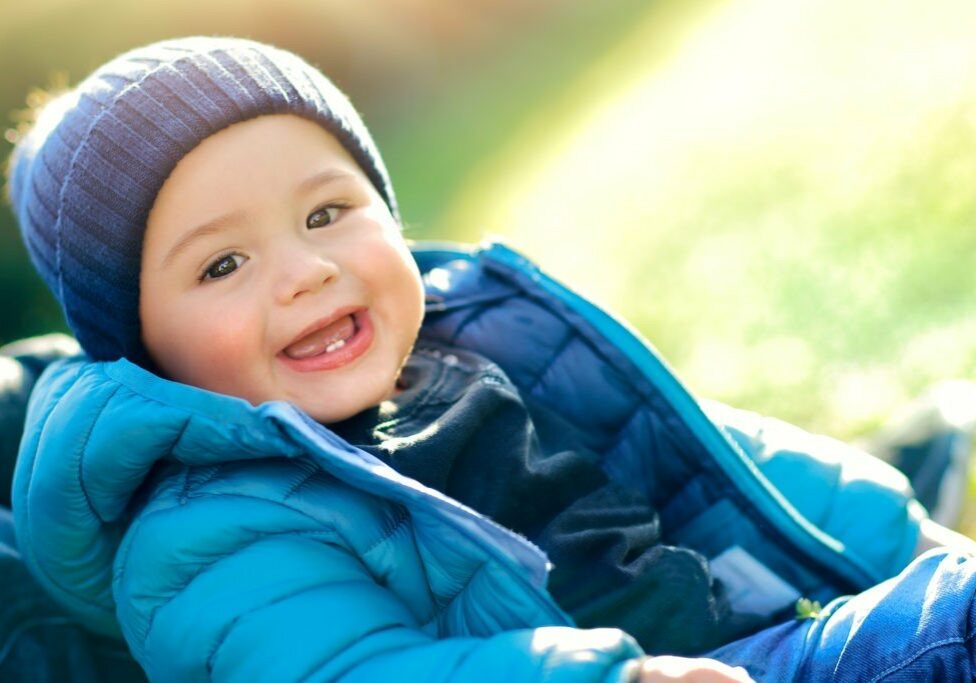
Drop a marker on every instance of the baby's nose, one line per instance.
(303, 273)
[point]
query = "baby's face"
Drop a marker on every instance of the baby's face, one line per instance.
(273, 270)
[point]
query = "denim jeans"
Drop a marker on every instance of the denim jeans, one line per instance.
(38, 642)
(917, 626)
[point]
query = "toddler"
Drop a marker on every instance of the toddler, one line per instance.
(299, 449)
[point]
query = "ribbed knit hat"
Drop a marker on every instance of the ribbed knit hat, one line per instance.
(84, 178)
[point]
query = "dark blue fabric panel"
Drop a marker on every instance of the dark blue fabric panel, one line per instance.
(532, 339)
(647, 453)
(605, 410)
(550, 359)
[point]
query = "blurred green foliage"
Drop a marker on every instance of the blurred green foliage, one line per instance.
(439, 85)
(776, 194)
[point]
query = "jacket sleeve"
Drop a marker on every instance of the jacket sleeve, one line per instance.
(184, 523)
(856, 498)
(225, 584)
(21, 363)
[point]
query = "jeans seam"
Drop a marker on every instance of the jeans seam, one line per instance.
(931, 646)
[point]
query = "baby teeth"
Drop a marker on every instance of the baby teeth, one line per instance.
(335, 346)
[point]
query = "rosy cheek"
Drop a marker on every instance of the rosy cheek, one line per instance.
(219, 350)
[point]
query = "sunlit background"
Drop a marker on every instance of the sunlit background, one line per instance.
(778, 194)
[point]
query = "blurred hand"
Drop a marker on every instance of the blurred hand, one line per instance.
(690, 670)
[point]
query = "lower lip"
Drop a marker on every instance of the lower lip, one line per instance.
(354, 347)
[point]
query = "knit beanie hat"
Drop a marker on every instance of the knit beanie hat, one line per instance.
(84, 178)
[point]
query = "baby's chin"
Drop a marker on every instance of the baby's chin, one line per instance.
(327, 412)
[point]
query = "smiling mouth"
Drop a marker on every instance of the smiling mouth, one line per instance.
(326, 339)
(331, 343)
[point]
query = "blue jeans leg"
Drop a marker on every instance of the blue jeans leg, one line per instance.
(41, 644)
(917, 626)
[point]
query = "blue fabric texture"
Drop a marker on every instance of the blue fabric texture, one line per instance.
(21, 363)
(459, 426)
(221, 539)
(39, 643)
(781, 453)
(84, 179)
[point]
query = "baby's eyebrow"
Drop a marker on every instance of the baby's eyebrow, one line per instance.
(326, 177)
(209, 228)
(215, 225)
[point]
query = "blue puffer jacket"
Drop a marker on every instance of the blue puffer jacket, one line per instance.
(229, 542)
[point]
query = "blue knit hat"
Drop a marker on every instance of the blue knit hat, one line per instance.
(84, 178)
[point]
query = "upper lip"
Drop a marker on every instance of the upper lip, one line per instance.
(323, 322)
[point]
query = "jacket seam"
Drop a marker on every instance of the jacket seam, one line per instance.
(296, 487)
(214, 471)
(427, 583)
(623, 431)
(322, 662)
(142, 521)
(553, 357)
(462, 660)
(179, 437)
(308, 533)
(445, 603)
(185, 490)
(330, 528)
(84, 451)
(393, 527)
(228, 628)
(479, 309)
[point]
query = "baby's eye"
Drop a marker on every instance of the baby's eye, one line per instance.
(223, 266)
(322, 217)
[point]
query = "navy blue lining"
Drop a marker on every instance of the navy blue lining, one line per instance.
(702, 480)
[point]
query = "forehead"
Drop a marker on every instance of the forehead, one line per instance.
(239, 164)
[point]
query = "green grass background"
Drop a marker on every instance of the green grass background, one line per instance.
(779, 195)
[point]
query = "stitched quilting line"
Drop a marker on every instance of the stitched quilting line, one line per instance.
(122, 561)
(322, 529)
(179, 436)
(257, 538)
(393, 526)
(84, 451)
(211, 475)
(423, 570)
(29, 547)
(568, 336)
(625, 435)
(471, 317)
(463, 659)
(228, 628)
(301, 483)
(315, 668)
(185, 489)
(443, 603)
